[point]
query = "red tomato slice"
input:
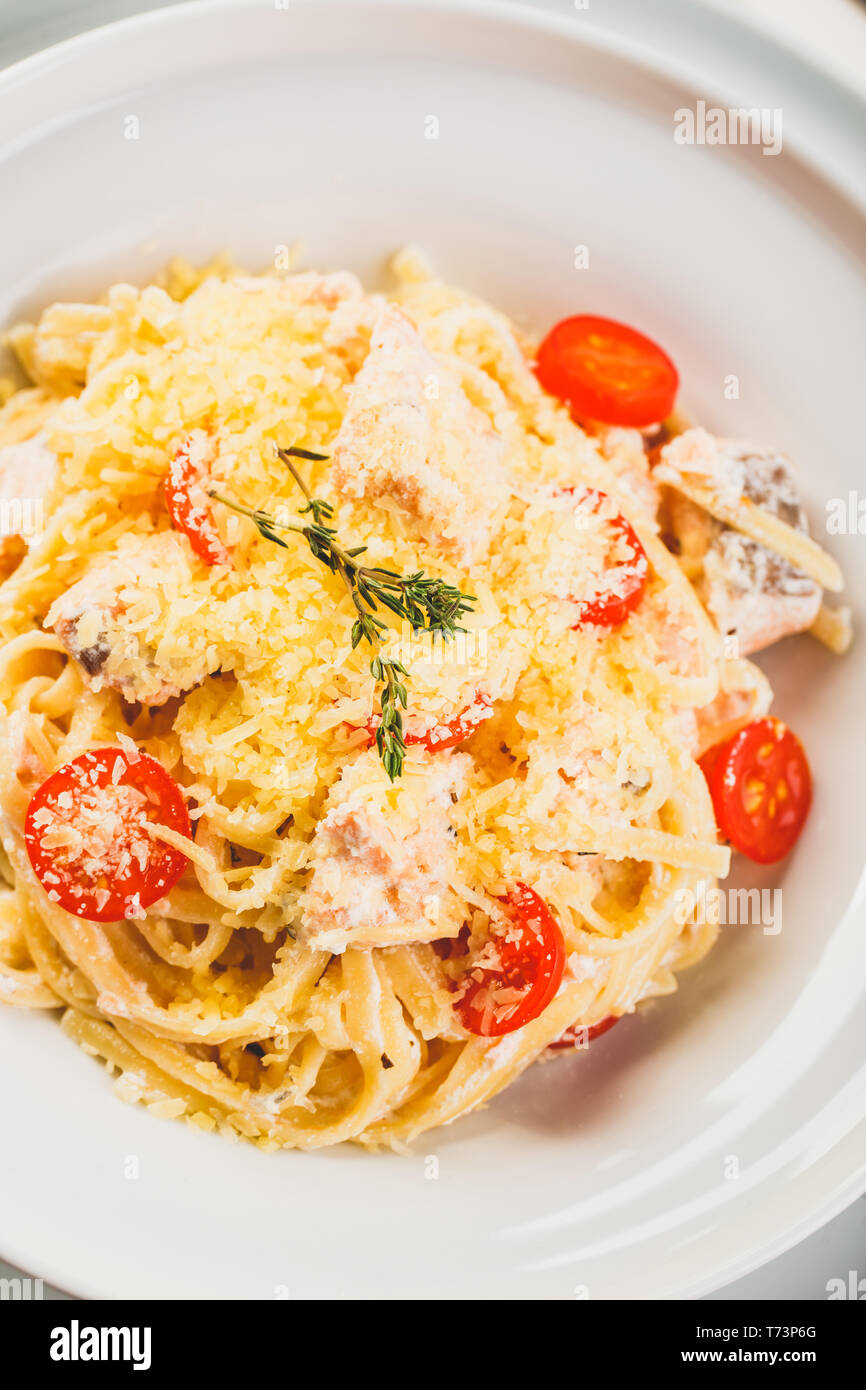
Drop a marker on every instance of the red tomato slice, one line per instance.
(607, 371)
(86, 835)
(628, 571)
(578, 1037)
(448, 734)
(186, 496)
(761, 787)
(523, 978)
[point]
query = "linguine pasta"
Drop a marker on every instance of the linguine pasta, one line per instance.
(292, 986)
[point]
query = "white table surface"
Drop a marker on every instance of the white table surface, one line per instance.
(834, 33)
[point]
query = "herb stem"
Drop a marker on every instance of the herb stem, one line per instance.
(255, 514)
(428, 604)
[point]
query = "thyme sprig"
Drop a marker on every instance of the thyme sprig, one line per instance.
(389, 735)
(428, 604)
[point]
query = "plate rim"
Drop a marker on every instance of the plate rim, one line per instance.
(843, 167)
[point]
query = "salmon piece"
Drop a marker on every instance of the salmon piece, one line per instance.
(756, 596)
(352, 313)
(411, 438)
(106, 621)
(587, 771)
(751, 593)
(624, 450)
(339, 287)
(666, 616)
(25, 761)
(745, 694)
(26, 474)
(310, 287)
(717, 466)
(384, 858)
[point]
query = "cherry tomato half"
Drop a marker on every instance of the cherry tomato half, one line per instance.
(86, 834)
(529, 961)
(761, 788)
(450, 732)
(627, 573)
(606, 371)
(578, 1037)
(186, 496)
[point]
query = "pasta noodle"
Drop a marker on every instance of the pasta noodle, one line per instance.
(833, 627)
(759, 525)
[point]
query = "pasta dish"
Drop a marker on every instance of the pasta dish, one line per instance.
(374, 691)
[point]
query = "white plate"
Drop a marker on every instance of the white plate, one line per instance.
(606, 1175)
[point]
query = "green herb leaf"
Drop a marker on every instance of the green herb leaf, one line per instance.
(429, 604)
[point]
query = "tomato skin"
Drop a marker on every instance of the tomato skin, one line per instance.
(443, 736)
(536, 959)
(84, 780)
(708, 759)
(186, 499)
(607, 371)
(761, 787)
(609, 608)
(571, 1037)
